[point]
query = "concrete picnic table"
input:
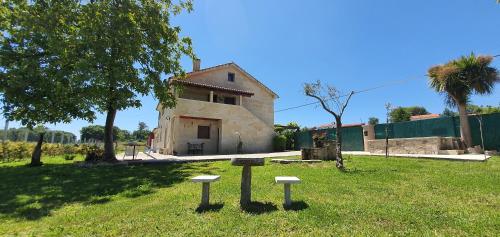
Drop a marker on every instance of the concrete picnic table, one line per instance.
(246, 176)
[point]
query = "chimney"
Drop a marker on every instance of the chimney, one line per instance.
(196, 64)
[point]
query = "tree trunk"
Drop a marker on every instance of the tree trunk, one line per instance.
(338, 129)
(37, 152)
(109, 150)
(464, 126)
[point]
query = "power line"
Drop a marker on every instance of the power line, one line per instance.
(344, 95)
(355, 92)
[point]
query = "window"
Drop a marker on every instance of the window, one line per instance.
(230, 100)
(230, 76)
(203, 132)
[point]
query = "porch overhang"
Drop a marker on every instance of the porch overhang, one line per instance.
(213, 87)
(200, 118)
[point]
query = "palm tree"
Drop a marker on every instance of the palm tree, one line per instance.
(459, 79)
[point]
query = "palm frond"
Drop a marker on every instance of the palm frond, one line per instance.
(460, 78)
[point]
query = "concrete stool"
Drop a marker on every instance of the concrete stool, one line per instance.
(287, 180)
(205, 191)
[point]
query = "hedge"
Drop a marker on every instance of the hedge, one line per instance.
(23, 150)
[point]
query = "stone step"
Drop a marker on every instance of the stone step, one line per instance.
(451, 152)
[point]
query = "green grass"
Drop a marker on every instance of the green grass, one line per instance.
(375, 196)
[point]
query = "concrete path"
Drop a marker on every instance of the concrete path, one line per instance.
(160, 158)
(464, 157)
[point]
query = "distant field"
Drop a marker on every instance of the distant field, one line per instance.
(375, 196)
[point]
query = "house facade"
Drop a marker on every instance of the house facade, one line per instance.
(220, 110)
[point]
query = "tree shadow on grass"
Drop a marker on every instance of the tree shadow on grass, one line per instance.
(210, 208)
(296, 206)
(32, 193)
(259, 207)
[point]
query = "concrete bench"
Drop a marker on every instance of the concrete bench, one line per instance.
(205, 190)
(287, 181)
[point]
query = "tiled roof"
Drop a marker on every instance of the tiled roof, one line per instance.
(214, 87)
(425, 116)
(239, 68)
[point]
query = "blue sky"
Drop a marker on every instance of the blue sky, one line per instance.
(352, 45)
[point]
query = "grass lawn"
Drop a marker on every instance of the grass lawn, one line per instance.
(376, 196)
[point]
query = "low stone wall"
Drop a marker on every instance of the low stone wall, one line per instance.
(417, 145)
(324, 153)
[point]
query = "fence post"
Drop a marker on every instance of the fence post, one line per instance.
(388, 108)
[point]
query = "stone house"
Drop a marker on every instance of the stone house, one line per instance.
(217, 108)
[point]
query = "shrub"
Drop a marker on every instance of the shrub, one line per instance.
(69, 157)
(23, 150)
(94, 154)
(279, 143)
(16, 150)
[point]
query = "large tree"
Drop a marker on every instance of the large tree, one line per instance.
(417, 110)
(399, 114)
(37, 83)
(142, 132)
(128, 46)
(96, 133)
(458, 79)
(335, 104)
(373, 121)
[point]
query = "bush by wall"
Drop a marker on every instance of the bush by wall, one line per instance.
(279, 143)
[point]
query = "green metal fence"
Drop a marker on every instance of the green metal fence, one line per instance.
(445, 127)
(352, 138)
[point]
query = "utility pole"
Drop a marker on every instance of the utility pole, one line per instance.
(388, 108)
(53, 136)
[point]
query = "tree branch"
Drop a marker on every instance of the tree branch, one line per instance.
(325, 107)
(346, 102)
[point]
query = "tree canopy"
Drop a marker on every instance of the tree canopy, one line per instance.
(401, 114)
(37, 61)
(458, 79)
(37, 85)
(142, 132)
(373, 121)
(72, 59)
(96, 132)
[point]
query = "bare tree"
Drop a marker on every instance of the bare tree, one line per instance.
(334, 103)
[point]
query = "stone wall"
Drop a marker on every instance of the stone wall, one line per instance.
(418, 145)
(235, 121)
(261, 104)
